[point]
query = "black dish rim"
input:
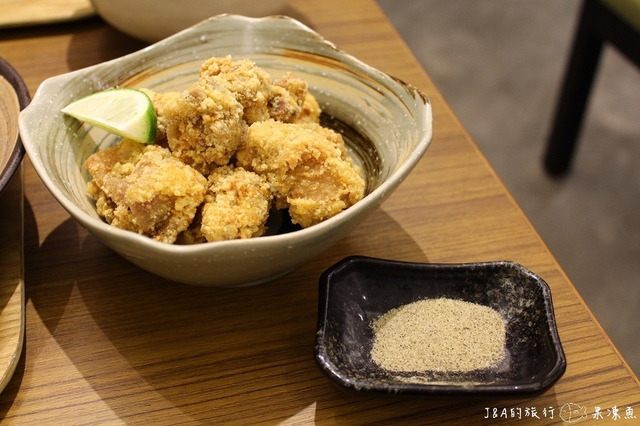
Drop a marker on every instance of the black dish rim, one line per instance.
(361, 386)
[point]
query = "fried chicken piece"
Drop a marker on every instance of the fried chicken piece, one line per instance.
(306, 166)
(204, 125)
(159, 100)
(160, 191)
(287, 98)
(144, 189)
(105, 166)
(112, 159)
(193, 234)
(310, 111)
(250, 84)
(283, 100)
(236, 206)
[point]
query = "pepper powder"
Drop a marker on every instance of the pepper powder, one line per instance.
(444, 335)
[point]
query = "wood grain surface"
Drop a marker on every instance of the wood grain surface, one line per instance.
(109, 343)
(12, 291)
(36, 12)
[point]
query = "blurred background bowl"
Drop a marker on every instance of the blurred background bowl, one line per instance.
(386, 123)
(154, 20)
(14, 96)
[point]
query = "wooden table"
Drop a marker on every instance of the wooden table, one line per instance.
(109, 343)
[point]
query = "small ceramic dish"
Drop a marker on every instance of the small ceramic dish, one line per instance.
(357, 290)
(14, 96)
(387, 126)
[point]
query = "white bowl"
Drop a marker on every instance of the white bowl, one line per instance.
(153, 20)
(388, 129)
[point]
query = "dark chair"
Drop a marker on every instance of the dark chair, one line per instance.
(613, 21)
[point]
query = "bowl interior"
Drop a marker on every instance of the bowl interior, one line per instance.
(358, 290)
(386, 123)
(387, 126)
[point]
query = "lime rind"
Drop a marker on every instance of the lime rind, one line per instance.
(122, 111)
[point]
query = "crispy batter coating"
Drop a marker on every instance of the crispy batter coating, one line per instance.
(204, 125)
(159, 100)
(287, 98)
(310, 111)
(236, 206)
(228, 149)
(250, 84)
(193, 234)
(306, 166)
(145, 189)
(113, 159)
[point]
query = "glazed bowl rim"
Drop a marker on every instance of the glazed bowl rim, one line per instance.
(101, 227)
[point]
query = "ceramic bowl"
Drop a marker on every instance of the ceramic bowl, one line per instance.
(387, 126)
(358, 290)
(154, 20)
(14, 96)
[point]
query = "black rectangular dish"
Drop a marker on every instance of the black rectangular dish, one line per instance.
(357, 290)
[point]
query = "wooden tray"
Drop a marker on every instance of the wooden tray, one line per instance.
(12, 294)
(31, 12)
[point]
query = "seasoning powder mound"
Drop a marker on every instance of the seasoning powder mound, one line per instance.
(443, 335)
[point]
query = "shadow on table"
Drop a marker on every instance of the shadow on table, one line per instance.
(111, 44)
(191, 351)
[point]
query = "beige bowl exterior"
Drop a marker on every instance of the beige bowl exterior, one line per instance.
(395, 117)
(154, 20)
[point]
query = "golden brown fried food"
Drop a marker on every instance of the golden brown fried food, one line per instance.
(144, 189)
(159, 100)
(108, 168)
(204, 125)
(306, 166)
(258, 141)
(113, 160)
(236, 206)
(287, 98)
(310, 111)
(250, 84)
(193, 234)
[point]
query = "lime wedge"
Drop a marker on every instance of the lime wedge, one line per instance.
(125, 112)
